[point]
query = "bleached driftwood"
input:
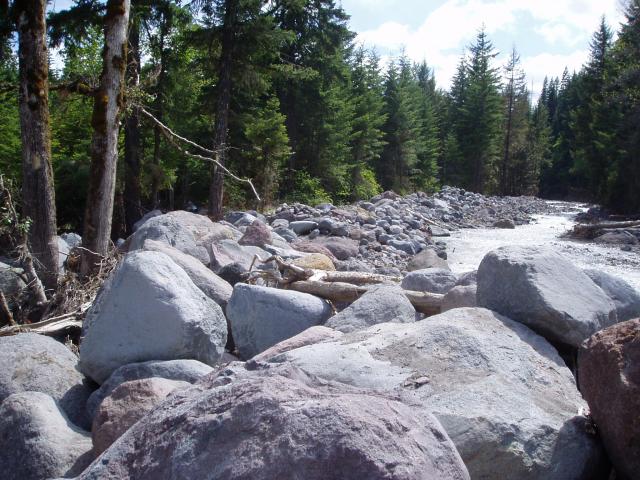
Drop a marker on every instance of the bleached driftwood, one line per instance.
(344, 286)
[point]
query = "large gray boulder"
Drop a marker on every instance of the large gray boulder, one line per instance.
(37, 440)
(501, 391)
(546, 292)
(188, 232)
(149, 309)
(33, 362)
(212, 285)
(260, 317)
(179, 370)
(624, 296)
(434, 280)
(280, 424)
(378, 305)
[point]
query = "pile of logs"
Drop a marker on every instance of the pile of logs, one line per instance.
(339, 286)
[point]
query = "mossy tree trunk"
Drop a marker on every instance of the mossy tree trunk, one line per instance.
(132, 196)
(229, 27)
(108, 105)
(38, 197)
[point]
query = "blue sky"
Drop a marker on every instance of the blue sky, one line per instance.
(548, 34)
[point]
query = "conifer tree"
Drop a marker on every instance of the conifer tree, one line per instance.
(482, 116)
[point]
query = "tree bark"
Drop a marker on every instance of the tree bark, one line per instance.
(216, 188)
(38, 196)
(104, 145)
(132, 195)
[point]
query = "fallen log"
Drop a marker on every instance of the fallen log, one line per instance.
(357, 278)
(590, 229)
(423, 302)
(51, 326)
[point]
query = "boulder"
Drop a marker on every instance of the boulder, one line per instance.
(63, 253)
(127, 404)
(405, 246)
(427, 258)
(226, 252)
(256, 234)
(185, 231)
(11, 284)
(378, 305)
(310, 336)
(179, 370)
(311, 247)
(149, 309)
(33, 362)
(624, 296)
(501, 391)
(260, 317)
(617, 238)
(145, 217)
(458, 297)
(302, 227)
(72, 239)
(609, 376)
(434, 280)
(279, 423)
(468, 278)
(37, 440)
(546, 292)
(504, 223)
(316, 261)
(233, 273)
(341, 248)
(211, 284)
(286, 233)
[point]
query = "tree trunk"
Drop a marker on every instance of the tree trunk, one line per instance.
(132, 201)
(38, 197)
(159, 113)
(216, 188)
(507, 141)
(104, 144)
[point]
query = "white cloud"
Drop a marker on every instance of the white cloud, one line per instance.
(551, 65)
(561, 25)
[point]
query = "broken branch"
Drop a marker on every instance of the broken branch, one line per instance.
(172, 136)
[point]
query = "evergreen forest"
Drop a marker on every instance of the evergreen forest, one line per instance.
(279, 92)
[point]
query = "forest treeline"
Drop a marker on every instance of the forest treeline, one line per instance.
(278, 91)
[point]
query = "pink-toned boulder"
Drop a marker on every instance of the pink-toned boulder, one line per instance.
(310, 336)
(127, 404)
(609, 378)
(257, 234)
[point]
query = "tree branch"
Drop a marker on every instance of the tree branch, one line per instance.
(172, 137)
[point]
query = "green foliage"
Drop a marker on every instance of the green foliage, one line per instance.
(267, 135)
(308, 190)
(10, 143)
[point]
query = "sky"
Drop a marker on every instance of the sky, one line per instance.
(548, 34)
